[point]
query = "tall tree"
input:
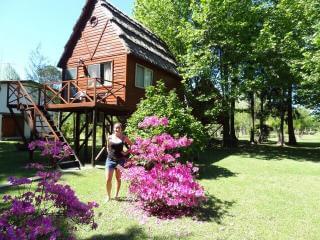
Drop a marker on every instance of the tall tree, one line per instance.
(9, 73)
(39, 68)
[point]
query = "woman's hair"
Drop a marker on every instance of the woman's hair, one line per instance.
(117, 125)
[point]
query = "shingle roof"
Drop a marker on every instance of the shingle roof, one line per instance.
(137, 39)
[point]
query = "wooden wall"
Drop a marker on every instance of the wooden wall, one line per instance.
(110, 48)
(134, 94)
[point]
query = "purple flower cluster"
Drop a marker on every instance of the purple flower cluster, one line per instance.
(153, 121)
(55, 150)
(168, 186)
(156, 148)
(39, 214)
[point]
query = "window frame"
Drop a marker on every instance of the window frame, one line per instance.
(101, 73)
(136, 76)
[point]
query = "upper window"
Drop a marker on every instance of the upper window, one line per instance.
(144, 76)
(101, 71)
(70, 74)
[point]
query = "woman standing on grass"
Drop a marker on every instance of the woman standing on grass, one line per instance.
(116, 157)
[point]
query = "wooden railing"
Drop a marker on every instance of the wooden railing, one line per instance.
(28, 97)
(81, 90)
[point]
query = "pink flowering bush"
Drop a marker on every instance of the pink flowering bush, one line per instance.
(44, 212)
(161, 184)
(54, 150)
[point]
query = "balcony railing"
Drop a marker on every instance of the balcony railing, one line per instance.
(89, 90)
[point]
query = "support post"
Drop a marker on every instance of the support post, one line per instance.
(77, 133)
(104, 130)
(86, 150)
(94, 133)
(60, 121)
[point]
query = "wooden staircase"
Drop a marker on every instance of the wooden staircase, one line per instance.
(28, 98)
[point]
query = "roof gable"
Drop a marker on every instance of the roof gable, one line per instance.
(137, 39)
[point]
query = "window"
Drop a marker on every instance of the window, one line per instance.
(144, 76)
(70, 74)
(102, 71)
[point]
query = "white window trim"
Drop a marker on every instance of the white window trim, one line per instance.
(135, 80)
(110, 84)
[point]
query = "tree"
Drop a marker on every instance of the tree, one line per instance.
(9, 73)
(39, 68)
(212, 41)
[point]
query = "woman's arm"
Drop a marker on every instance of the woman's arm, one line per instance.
(128, 144)
(108, 147)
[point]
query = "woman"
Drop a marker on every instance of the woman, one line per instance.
(116, 158)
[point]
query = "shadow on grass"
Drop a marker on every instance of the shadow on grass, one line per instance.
(213, 210)
(301, 152)
(213, 172)
(268, 151)
(207, 169)
(131, 233)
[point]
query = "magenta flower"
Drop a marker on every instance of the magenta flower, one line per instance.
(161, 185)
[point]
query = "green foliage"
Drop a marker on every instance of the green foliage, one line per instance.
(161, 103)
(39, 68)
(9, 73)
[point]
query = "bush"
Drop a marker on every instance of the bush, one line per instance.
(162, 186)
(40, 214)
(161, 103)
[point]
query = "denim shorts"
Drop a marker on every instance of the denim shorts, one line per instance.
(111, 164)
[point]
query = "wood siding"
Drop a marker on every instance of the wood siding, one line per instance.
(99, 44)
(133, 93)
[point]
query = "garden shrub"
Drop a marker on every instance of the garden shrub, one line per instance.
(47, 209)
(162, 186)
(161, 103)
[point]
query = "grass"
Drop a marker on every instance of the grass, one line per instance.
(255, 192)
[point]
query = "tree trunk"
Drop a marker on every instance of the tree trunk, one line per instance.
(281, 140)
(252, 117)
(226, 131)
(262, 133)
(233, 136)
(292, 137)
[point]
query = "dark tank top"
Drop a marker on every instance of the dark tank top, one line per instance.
(115, 150)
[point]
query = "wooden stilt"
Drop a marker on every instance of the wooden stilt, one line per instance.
(94, 136)
(86, 150)
(77, 133)
(104, 130)
(60, 120)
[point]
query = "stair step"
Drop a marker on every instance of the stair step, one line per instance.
(69, 164)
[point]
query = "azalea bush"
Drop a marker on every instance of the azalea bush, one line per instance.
(50, 211)
(54, 150)
(163, 103)
(161, 184)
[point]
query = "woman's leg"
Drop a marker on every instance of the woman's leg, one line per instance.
(109, 174)
(118, 177)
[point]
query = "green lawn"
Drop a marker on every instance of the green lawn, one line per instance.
(255, 192)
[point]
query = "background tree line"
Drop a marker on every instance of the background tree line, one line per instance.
(39, 69)
(263, 52)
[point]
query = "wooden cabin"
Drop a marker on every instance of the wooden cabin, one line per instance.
(106, 65)
(108, 62)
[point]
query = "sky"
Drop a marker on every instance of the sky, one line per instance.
(25, 24)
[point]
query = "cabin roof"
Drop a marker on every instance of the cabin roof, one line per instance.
(137, 39)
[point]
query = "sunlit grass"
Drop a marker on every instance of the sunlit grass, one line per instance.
(255, 192)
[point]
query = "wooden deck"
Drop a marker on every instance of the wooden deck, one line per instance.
(111, 109)
(78, 96)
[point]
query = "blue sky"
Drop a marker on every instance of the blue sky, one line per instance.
(26, 23)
